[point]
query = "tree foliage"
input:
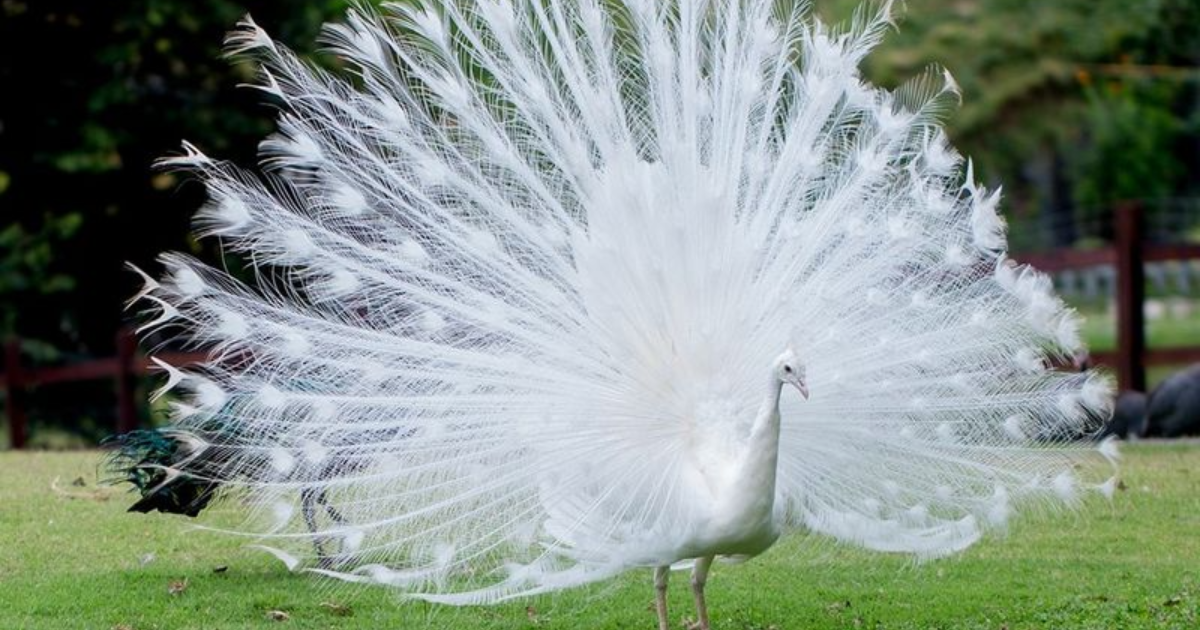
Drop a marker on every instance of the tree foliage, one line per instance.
(94, 92)
(1073, 105)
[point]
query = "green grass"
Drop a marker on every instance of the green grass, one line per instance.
(72, 558)
(1099, 331)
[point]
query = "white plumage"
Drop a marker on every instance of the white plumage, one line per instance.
(530, 282)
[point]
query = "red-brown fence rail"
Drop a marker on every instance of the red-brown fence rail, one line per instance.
(124, 369)
(1128, 255)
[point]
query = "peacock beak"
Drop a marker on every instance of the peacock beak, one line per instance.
(803, 387)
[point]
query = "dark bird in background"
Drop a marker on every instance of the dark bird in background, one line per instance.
(1174, 406)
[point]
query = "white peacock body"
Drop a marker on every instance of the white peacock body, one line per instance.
(523, 272)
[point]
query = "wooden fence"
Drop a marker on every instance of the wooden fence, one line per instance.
(124, 369)
(1127, 254)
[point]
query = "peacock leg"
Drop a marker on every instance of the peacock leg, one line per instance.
(660, 595)
(332, 511)
(308, 508)
(329, 472)
(323, 499)
(699, 577)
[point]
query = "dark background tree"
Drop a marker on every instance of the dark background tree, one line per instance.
(91, 93)
(94, 92)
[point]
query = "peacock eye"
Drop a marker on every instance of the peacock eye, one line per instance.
(787, 368)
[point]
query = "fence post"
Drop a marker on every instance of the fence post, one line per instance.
(127, 411)
(1131, 293)
(14, 383)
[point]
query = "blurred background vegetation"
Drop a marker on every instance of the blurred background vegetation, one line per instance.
(1074, 105)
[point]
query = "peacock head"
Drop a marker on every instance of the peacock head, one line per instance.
(790, 369)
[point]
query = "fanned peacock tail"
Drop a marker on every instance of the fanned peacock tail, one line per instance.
(524, 270)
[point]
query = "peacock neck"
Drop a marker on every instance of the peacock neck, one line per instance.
(766, 423)
(762, 452)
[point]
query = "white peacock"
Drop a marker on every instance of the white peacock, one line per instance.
(531, 280)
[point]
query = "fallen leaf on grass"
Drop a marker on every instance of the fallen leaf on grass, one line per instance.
(146, 559)
(220, 569)
(177, 587)
(337, 610)
(837, 607)
(99, 494)
(531, 613)
(1173, 601)
(278, 615)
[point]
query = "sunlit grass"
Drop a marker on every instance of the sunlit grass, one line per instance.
(72, 558)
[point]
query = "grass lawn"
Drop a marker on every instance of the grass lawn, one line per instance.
(70, 557)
